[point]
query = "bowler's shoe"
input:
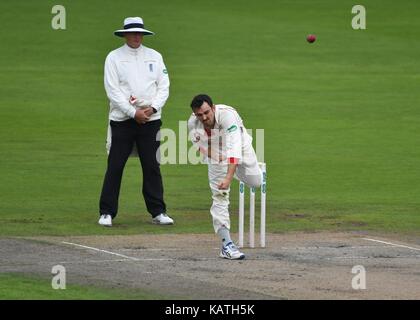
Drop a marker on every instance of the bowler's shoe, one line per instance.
(230, 251)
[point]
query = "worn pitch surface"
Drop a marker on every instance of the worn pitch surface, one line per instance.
(293, 266)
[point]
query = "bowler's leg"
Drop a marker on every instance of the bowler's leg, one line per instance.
(220, 207)
(220, 213)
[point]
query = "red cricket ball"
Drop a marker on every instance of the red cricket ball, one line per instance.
(311, 38)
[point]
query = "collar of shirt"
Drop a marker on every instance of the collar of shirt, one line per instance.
(133, 51)
(216, 117)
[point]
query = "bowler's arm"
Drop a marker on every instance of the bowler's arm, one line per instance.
(225, 183)
(232, 131)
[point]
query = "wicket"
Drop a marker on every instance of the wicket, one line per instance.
(252, 211)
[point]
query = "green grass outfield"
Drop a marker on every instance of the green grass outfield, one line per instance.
(26, 287)
(341, 115)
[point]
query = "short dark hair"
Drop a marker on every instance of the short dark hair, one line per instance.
(198, 101)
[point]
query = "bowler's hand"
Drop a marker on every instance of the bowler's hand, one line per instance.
(141, 116)
(224, 184)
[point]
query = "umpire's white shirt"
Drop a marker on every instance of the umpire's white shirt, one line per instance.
(138, 72)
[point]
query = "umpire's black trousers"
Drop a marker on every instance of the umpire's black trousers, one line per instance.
(124, 135)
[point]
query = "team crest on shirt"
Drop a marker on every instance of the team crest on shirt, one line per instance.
(196, 137)
(232, 128)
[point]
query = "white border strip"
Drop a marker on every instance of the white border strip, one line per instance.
(392, 244)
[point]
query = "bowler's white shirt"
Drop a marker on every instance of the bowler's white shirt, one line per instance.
(229, 134)
(137, 72)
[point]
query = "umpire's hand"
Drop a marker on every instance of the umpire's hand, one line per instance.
(141, 116)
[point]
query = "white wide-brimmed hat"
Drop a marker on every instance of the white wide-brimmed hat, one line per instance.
(133, 24)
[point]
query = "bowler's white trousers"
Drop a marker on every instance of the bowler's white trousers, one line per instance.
(248, 171)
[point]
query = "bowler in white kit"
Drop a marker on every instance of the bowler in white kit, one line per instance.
(220, 135)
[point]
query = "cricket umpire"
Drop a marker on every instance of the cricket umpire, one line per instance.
(137, 86)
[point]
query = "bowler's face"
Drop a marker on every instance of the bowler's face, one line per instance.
(133, 39)
(206, 115)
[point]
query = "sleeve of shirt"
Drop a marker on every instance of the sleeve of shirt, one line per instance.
(232, 131)
(191, 130)
(194, 135)
(115, 95)
(162, 92)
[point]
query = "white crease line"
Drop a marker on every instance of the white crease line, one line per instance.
(100, 250)
(150, 249)
(392, 244)
(93, 261)
(373, 257)
(154, 259)
(117, 254)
